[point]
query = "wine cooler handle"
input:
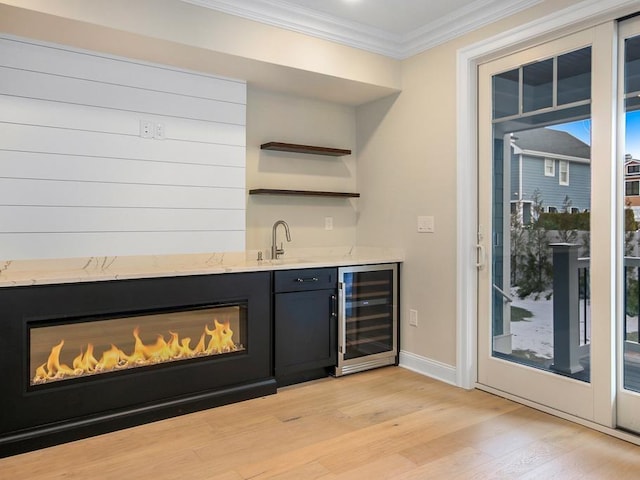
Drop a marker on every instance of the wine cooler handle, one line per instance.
(342, 327)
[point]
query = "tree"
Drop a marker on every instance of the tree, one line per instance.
(537, 269)
(566, 225)
(630, 273)
(518, 245)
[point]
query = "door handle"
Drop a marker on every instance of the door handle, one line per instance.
(482, 256)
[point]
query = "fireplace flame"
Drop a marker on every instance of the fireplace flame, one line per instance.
(85, 361)
(174, 348)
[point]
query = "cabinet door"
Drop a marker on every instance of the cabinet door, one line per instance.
(305, 331)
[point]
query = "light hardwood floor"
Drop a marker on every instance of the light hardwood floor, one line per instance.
(385, 423)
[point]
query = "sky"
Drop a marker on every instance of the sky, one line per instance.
(582, 130)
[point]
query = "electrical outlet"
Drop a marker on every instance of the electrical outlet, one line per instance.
(328, 223)
(146, 129)
(413, 318)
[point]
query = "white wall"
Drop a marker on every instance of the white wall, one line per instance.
(275, 117)
(77, 178)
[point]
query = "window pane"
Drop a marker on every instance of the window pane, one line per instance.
(537, 88)
(631, 277)
(549, 167)
(632, 65)
(506, 93)
(574, 76)
(564, 172)
(524, 329)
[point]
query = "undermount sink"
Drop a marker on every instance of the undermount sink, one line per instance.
(286, 261)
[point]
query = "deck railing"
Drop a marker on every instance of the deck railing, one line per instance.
(569, 272)
(571, 306)
(631, 298)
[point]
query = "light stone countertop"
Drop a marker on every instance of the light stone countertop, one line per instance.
(90, 269)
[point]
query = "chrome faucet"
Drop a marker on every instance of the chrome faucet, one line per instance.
(275, 251)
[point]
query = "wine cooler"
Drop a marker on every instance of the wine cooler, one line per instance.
(367, 317)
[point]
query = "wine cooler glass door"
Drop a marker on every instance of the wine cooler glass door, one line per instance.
(368, 325)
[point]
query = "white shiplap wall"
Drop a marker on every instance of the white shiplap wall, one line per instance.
(77, 178)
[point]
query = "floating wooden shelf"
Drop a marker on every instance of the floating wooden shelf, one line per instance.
(293, 147)
(307, 193)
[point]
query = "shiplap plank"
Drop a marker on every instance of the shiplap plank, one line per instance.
(92, 66)
(27, 138)
(77, 178)
(22, 83)
(88, 194)
(36, 112)
(61, 219)
(42, 166)
(64, 245)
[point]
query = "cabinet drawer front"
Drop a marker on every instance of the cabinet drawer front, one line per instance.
(305, 279)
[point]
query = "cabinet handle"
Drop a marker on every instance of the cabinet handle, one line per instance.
(334, 305)
(308, 279)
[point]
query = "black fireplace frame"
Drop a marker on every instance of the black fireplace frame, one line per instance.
(34, 417)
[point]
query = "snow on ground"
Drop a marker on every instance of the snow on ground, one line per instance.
(534, 333)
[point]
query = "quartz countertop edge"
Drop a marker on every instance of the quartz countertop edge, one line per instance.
(94, 269)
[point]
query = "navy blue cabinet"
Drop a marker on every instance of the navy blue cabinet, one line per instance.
(305, 316)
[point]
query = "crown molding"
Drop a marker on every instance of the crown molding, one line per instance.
(282, 14)
(467, 19)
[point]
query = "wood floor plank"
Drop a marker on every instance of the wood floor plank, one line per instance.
(388, 423)
(448, 465)
(384, 467)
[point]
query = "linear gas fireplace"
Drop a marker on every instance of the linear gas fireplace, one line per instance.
(87, 358)
(83, 348)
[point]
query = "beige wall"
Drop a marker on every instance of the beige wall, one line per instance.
(188, 24)
(407, 162)
(176, 33)
(407, 167)
(275, 117)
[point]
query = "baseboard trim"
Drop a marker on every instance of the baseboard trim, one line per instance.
(429, 368)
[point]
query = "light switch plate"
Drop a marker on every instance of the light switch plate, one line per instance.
(328, 223)
(426, 224)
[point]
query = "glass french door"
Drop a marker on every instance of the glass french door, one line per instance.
(628, 343)
(547, 228)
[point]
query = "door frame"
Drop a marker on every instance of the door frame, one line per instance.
(592, 399)
(577, 17)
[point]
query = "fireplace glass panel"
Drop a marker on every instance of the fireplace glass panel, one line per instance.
(88, 347)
